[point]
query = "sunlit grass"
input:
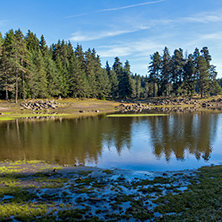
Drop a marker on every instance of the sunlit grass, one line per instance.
(11, 116)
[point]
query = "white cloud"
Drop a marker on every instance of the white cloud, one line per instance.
(208, 39)
(118, 8)
(212, 36)
(3, 22)
(137, 48)
(203, 18)
(130, 6)
(115, 51)
(80, 37)
(77, 15)
(200, 18)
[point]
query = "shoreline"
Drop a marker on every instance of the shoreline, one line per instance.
(74, 108)
(39, 190)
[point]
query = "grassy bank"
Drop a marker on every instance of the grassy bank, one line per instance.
(66, 108)
(35, 191)
(79, 107)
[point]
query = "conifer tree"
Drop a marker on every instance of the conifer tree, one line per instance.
(63, 76)
(6, 66)
(113, 81)
(24, 62)
(14, 59)
(90, 73)
(103, 84)
(127, 86)
(32, 42)
(39, 86)
(205, 53)
(177, 70)
(154, 70)
(118, 69)
(165, 72)
(43, 45)
(53, 77)
(214, 87)
(188, 75)
(202, 75)
(138, 86)
(80, 55)
(78, 85)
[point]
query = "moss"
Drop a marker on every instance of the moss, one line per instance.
(71, 214)
(153, 189)
(85, 181)
(85, 190)
(108, 171)
(25, 212)
(98, 185)
(84, 172)
(200, 202)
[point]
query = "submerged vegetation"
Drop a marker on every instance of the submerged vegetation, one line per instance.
(33, 191)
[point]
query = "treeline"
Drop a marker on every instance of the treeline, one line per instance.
(183, 75)
(31, 69)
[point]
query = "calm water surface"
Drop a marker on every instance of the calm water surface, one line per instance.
(174, 142)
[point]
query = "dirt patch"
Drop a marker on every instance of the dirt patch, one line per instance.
(4, 109)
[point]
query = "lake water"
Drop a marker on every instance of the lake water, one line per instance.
(173, 142)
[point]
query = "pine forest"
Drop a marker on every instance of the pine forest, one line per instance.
(30, 69)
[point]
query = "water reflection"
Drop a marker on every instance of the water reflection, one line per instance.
(186, 132)
(95, 140)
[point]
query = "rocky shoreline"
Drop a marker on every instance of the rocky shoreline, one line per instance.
(39, 105)
(174, 105)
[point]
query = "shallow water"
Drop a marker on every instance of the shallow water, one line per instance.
(173, 142)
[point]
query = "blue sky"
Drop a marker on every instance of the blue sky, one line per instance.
(129, 29)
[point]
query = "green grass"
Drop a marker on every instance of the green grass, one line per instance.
(10, 116)
(202, 201)
(135, 115)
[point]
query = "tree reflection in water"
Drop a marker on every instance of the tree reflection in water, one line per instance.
(83, 140)
(178, 134)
